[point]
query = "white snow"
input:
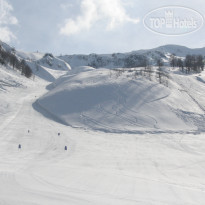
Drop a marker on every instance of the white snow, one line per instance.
(81, 69)
(163, 164)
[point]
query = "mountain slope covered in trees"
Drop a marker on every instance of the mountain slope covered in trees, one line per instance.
(132, 59)
(32, 64)
(9, 57)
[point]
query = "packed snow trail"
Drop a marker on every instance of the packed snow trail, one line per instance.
(97, 168)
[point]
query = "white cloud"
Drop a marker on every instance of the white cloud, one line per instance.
(6, 19)
(92, 11)
(6, 35)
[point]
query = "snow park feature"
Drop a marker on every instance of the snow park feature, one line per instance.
(125, 138)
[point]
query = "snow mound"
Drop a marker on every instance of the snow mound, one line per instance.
(96, 100)
(81, 69)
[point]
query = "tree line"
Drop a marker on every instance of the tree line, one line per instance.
(9, 57)
(190, 63)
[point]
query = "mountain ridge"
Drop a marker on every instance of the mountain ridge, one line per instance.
(131, 59)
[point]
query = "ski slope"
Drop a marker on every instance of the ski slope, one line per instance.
(98, 168)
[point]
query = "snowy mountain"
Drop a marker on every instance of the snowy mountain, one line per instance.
(42, 65)
(132, 59)
(180, 51)
(47, 66)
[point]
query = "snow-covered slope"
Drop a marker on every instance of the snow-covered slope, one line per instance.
(53, 62)
(42, 65)
(49, 67)
(100, 168)
(11, 83)
(163, 165)
(30, 56)
(22, 54)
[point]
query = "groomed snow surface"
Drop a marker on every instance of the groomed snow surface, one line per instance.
(130, 141)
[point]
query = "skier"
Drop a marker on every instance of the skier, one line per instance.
(19, 146)
(66, 148)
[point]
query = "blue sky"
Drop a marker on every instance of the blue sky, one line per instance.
(88, 26)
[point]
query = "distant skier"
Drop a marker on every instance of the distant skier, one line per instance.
(28, 131)
(19, 146)
(66, 148)
(59, 134)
